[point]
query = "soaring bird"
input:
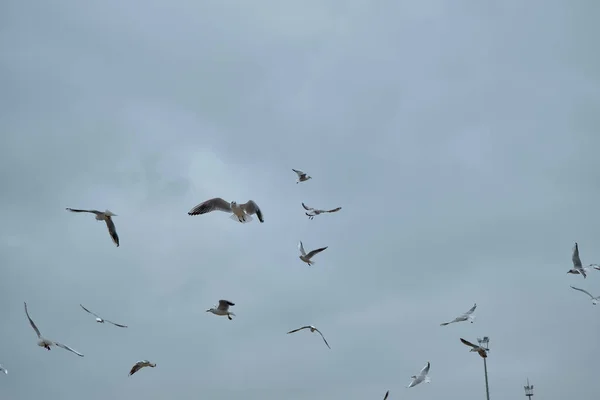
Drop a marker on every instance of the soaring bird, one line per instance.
(482, 352)
(223, 309)
(139, 365)
(578, 267)
(46, 343)
(105, 216)
(312, 329)
(102, 320)
(423, 377)
(302, 177)
(594, 299)
(312, 212)
(307, 257)
(241, 212)
(464, 317)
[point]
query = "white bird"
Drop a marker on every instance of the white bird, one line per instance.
(423, 377)
(312, 212)
(482, 352)
(139, 365)
(241, 212)
(102, 320)
(46, 343)
(307, 257)
(313, 330)
(223, 309)
(386, 395)
(302, 177)
(464, 317)
(594, 299)
(105, 216)
(2, 369)
(578, 267)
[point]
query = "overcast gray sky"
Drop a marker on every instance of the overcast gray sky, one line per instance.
(461, 140)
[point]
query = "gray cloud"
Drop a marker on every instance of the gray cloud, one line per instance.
(459, 140)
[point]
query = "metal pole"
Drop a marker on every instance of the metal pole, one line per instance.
(487, 388)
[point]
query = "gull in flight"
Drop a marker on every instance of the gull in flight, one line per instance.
(139, 365)
(105, 216)
(464, 317)
(307, 257)
(223, 309)
(46, 343)
(312, 212)
(578, 267)
(302, 177)
(312, 329)
(2, 369)
(423, 377)
(102, 320)
(482, 352)
(241, 212)
(594, 299)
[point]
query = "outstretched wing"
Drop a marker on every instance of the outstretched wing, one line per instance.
(250, 207)
(211, 205)
(94, 314)
(86, 211)
(425, 370)
(468, 343)
(299, 329)
(306, 207)
(301, 248)
(386, 395)
(135, 368)
(312, 253)
(112, 230)
(334, 210)
(471, 310)
(575, 258)
(115, 324)
(68, 348)
(297, 171)
(323, 337)
(35, 328)
(584, 291)
(224, 304)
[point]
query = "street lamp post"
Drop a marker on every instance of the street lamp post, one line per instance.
(528, 390)
(484, 344)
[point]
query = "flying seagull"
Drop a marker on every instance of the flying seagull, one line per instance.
(482, 352)
(578, 267)
(464, 317)
(105, 216)
(594, 299)
(307, 257)
(223, 309)
(312, 212)
(386, 395)
(423, 377)
(46, 343)
(2, 369)
(312, 329)
(139, 365)
(241, 212)
(302, 177)
(102, 320)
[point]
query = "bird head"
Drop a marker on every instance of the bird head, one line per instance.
(99, 320)
(413, 377)
(233, 204)
(152, 365)
(595, 301)
(109, 213)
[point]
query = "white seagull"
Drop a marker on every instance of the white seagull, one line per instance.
(105, 216)
(307, 257)
(482, 352)
(423, 377)
(46, 343)
(241, 212)
(102, 320)
(578, 267)
(223, 309)
(139, 365)
(464, 317)
(312, 212)
(594, 299)
(2, 369)
(302, 177)
(312, 329)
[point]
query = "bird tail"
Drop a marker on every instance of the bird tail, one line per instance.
(246, 218)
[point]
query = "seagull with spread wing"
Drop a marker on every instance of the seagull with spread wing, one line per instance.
(312, 329)
(307, 257)
(578, 267)
(464, 317)
(105, 216)
(46, 343)
(302, 177)
(594, 299)
(422, 377)
(139, 365)
(313, 212)
(102, 320)
(482, 352)
(223, 309)
(240, 212)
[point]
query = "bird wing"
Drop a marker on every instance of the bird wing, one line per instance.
(414, 382)
(94, 314)
(325, 340)
(306, 207)
(115, 324)
(312, 253)
(425, 370)
(135, 368)
(112, 230)
(595, 266)
(2, 369)
(468, 343)
(250, 207)
(386, 395)
(471, 310)
(211, 205)
(301, 248)
(576, 259)
(297, 171)
(224, 304)
(334, 210)
(482, 353)
(35, 328)
(299, 329)
(68, 348)
(86, 211)
(446, 323)
(584, 291)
